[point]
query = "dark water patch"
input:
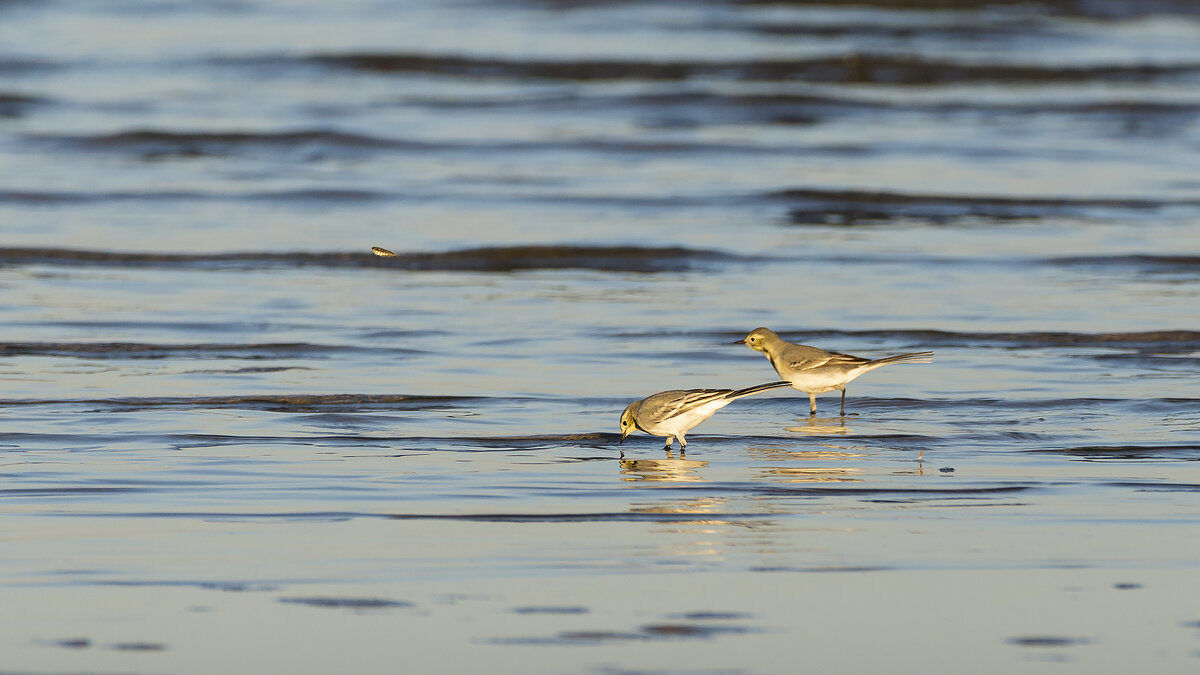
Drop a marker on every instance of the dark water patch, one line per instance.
(715, 616)
(486, 259)
(690, 630)
(286, 403)
(850, 68)
(318, 145)
(345, 197)
(599, 258)
(1147, 486)
(855, 207)
(1153, 362)
(530, 442)
(352, 196)
(551, 610)
(235, 587)
(650, 632)
(41, 198)
(246, 371)
(315, 196)
(1127, 586)
(1141, 263)
(694, 108)
(1090, 9)
(690, 106)
(73, 491)
(680, 109)
(154, 143)
(1047, 641)
(142, 350)
(579, 637)
(139, 647)
(68, 643)
(16, 105)
(501, 68)
(415, 444)
(223, 586)
(1188, 452)
(138, 325)
(358, 604)
(867, 29)
(15, 67)
(189, 441)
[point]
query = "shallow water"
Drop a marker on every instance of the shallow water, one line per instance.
(233, 440)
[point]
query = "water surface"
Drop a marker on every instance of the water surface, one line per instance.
(231, 439)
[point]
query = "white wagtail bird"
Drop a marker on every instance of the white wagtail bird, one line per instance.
(816, 371)
(674, 413)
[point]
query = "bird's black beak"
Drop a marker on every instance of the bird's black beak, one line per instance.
(739, 342)
(622, 441)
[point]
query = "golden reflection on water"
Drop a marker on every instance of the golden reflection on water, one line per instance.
(698, 505)
(821, 426)
(670, 470)
(812, 474)
(699, 537)
(826, 453)
(812, 470)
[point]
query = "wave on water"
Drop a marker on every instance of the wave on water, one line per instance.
(854, 68)
(317, 144)
(64, 198)
(142, 350)
(1095, 9)
(298, 403)
(852, 207)
(1147, 264)
(485, 259)
(25, 66)
(15, 105)
(159, 143)
(1175, 452)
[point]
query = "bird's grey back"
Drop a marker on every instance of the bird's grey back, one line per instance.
(663, 403)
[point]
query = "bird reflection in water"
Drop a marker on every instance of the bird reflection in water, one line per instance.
(670, 470)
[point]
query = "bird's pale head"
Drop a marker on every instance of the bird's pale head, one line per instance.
(758, 339)
(628, 423)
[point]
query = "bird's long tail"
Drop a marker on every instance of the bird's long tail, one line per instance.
(914, 357)
(757, 388)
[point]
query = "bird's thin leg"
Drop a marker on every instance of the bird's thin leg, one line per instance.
(812, 404)
(682, 446)
(670, 440)
(843, 401)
